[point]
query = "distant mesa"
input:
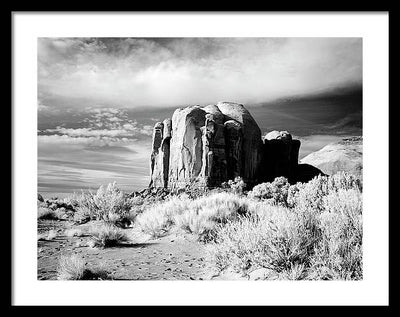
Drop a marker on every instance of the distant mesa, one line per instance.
(206, 146)
(345, 155)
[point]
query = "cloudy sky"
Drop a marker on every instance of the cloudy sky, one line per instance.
(98, 98)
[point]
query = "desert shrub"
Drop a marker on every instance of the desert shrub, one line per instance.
(293, 194)
(203, 214)
(108, 203)
(74, 268)
(193, 223)
(310, 196)
(137, 206)
(338, 254)
(276, 192)
(276, 239)
(236, 186)
(111, 203)
(344, 180)
(70, 268)
(71, 201)
(304, 195)
(86, 207)
(315, 240)
(158, 219)
(219, 207)
(107, 235)
(197, 216)
(295, 272)
(47, 214)
(82, 215)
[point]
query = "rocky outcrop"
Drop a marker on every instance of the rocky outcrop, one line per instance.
(280, 156)
(40, 198)
(250, 146)
(206, 146)
(345, 155)
(186, 148)
(159, 162)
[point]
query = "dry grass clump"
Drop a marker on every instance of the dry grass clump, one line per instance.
(204, 214)
(70, 268)
(74, 268)
(107, 235)
(158, 219)
(198, 216)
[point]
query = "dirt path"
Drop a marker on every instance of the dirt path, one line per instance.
(174, 257)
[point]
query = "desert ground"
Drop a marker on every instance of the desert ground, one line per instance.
(276, 230)
(174, 257)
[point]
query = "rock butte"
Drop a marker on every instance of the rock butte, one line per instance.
(206, 146)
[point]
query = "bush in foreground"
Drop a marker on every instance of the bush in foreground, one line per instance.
(320, 237)
(276, 192)
(158, 219)
(74, 268)
(70, 268)
(107, 235)
(198, 216)
(277, 240)
(236, 186)
(108, 203)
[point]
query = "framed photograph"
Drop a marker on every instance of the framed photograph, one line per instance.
(200, 158)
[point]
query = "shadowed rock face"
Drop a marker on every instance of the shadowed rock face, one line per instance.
(251, 144)
(280, 156)
(306, 172)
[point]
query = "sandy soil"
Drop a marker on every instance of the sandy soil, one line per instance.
(174, 257)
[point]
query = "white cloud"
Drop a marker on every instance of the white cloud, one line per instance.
(104, 122)
(136, 72)
(87, 132)
(81, 140)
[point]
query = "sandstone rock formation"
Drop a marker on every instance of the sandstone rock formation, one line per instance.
(345, 155)
(206, 146)
(280, 156)
(161, 153)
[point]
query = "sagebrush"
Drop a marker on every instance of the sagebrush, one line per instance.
(316, 234)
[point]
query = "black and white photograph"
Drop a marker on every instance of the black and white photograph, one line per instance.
(200, 159)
